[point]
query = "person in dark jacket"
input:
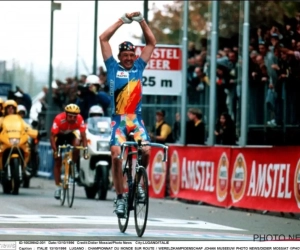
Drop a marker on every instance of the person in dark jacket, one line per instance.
(23, 98)
(195, 129)
(89, 95)
(176, 128)
(225, 130)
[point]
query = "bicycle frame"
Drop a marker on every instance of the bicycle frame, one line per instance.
(139, 153)
(67, 161)
(133, 201)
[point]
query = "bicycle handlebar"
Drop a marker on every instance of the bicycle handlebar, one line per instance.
(151, 144)
(69, 147)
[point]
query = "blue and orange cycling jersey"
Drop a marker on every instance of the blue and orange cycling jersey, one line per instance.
(125, 86)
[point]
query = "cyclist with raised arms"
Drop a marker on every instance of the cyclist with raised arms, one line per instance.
(125, 79)
(64, 131)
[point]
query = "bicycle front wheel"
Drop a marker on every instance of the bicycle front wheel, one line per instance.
(71, 184)
(123, 222)
(141, 201)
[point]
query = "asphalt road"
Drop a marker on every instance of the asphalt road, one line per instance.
(34, 214)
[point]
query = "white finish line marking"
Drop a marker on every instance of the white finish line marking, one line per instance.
(109, 220)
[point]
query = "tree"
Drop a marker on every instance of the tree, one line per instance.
(166, 23)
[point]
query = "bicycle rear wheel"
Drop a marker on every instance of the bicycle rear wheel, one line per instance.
(141, 203)
(63, 190)
(71, 184)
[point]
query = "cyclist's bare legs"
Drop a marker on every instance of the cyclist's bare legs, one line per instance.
(146, 156)
(75, 156)
(116, 169)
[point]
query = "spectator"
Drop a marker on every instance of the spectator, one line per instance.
(23, 99)
(89, 95)
(222, 82)
(176, 128)
(225, 130)
(82, 79)
(195, 129)
(161, 132)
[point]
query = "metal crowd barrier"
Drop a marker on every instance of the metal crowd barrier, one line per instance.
(46, 160)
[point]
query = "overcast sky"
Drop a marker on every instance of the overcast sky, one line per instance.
(25, 31)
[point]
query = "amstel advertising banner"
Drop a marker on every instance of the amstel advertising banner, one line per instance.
(157, 173)
(200, 174)
(266, 178)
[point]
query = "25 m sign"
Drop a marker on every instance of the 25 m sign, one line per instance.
(152, 81)
(163, 74)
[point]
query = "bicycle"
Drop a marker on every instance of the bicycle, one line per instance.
(135, 182)
(68, 182)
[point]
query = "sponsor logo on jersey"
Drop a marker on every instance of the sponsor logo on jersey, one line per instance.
(122, 74)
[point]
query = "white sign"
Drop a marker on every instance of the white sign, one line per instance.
(163, 74)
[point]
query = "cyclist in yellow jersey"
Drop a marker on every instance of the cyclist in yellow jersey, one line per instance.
(125, 79)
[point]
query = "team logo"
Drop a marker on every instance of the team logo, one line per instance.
(174, 173)
(158, 174)
(297, 184)
(222, 178)
(238, 178)
(122, 74)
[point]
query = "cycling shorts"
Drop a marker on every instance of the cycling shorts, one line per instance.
(122, 125)
(61, 139)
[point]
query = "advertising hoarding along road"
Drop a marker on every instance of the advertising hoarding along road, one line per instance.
(163, 73)
(262, 178)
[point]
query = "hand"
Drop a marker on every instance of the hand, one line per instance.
(126, 18)
(86, 155)
(136, 16)
(55, 154)
(275, 66)
(264, 79)
(271, 86)
(283, 76)
(259, 32)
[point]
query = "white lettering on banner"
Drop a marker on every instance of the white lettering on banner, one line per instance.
(165, 53)
(161, 53)
(197, 175)
(158, 64)
(264, 185)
